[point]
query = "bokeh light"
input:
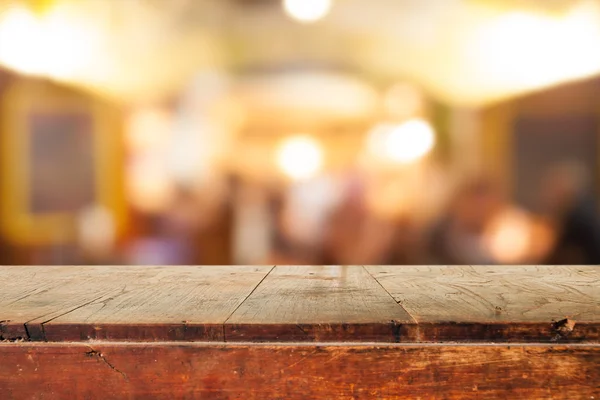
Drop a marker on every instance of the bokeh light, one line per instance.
(19, 54)
(404, 143)
(97, 230)
(510, 236)
(280, 96)
(149, 188)
(307, 10)
(55, 44)
(525, 49)
(148, 128)
(300, 157)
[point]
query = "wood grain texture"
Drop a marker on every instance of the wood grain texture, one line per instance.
(501, 303)
(138, 303)
(317, 303)
(308, 303)
(35, 295)
(193, 370)
(17, 283)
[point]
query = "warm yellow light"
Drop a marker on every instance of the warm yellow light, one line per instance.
(403, 101)
(149, 184)
(148, 129)
(19, 36)
(526, 49)
(69, 44)
(300, 157)
(96, 230)
(510, 237)
(402, 143)
(52, 45)
(149, 187)
(307, 10)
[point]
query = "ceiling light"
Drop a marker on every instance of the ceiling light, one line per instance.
(300, 157)
(307, 10)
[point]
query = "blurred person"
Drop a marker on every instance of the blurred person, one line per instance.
(97, 236)
(193, 230)
(355, 235)
(342, 240)
(182, 223)
(570, 204)
(150, 246)
(406, 247)
(459, 235)
(303, 216)
(284, 250)
(355, 238)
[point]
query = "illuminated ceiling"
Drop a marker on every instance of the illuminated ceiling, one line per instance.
(467, 52)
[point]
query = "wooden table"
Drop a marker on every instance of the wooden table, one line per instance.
(292, 332)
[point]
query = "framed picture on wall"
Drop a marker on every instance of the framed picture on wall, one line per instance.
(60, 154)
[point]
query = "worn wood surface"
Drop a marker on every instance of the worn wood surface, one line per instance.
(301, 303)
(315, 303)
(293, 371)
(500, 303)
(32, 296)
(120, 303)
(171, 332)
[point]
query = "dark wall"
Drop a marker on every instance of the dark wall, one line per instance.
(551, 127)
(543, 142)
(526, 136)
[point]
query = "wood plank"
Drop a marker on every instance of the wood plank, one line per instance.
(33, 295)
(162, 303)
(501, 303)
(294, 371)
(515, 304)
(138, 303)
(16, 283)
(317, 303)
(20, 281)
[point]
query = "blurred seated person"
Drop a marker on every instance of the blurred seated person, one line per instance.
(459, 236)
(569, 201)
(355, 235)
(97, 236)
(294, 241)
(406, 247)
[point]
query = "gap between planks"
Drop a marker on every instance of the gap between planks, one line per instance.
(28, 325)
(243, 301)
(389, 294)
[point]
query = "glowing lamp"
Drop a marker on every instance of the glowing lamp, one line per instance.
(307, 10)
(300, 157)
(404, 143)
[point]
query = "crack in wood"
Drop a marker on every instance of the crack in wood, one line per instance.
(100, 356)
(33, 292)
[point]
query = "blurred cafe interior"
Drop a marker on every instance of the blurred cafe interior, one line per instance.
(217, 132)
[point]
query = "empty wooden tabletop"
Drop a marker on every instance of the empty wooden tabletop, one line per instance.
(301, 303)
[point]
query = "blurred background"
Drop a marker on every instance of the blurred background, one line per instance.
(299, 131)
